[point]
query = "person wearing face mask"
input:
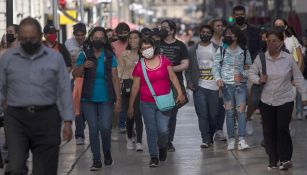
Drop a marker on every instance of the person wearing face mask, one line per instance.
(253, 44)
(39, 98)
(11, 38)
(277, 99)
(201, 81)
(100, 93)
(160, 73)
(127, 61)
(230, 70)
(176, 51)
(119, 46)
(218, 26)
(294, 47)
(50, 35)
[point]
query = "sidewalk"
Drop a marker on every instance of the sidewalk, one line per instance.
(188, 159)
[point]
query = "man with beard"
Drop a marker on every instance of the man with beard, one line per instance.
(177, 52)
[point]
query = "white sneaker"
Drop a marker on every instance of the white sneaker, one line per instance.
(114, 138)
(231, 144)
(139, 147)
(219, 136)
(242, 145)
(130, 144)
(79, 141)
(249, 127)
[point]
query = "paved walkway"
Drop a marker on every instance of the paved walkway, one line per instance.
(188, 159)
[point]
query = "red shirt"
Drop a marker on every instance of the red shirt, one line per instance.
(158, 78)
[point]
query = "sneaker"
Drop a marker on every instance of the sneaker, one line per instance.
(219, 136)
(272, 167)
(130, 144)
(299, 116)
(139, 147)
(242, 145)
(285, 165)
(231, 144)
(96, 165)
(122, 130)
(154, 162)
(108, 161)
(114, 138)
(79, 141)
(249, 127)
(204, 145)
(170, 147)
(162, 155)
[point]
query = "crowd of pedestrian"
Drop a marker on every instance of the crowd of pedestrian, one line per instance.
(109, 80)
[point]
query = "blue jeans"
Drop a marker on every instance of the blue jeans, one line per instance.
(99, 119)
(123, 114)
(221, 115)
(235, 103)
(156, 125)
(206, 106)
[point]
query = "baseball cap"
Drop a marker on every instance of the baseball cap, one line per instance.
(49, 28)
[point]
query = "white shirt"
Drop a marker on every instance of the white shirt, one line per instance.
(72, 45)
(291, 43)
(205, 58)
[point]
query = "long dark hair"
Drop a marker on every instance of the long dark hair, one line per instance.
(138, 34)
(242, 41)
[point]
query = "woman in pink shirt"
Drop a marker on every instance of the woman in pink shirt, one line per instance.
(160, 74)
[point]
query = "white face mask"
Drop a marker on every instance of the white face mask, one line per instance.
(148, 53)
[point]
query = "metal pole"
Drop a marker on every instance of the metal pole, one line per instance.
(55, 13)
(111, 15)
(9, 12)
(81, 10)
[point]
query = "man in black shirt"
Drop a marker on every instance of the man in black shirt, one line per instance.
(177, 52)
(254, 46)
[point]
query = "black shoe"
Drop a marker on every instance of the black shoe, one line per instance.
(108, 161)
(284, 166)
(171, 147)
(154, 162)
(96, 165)
(204, 145)
(162, 155)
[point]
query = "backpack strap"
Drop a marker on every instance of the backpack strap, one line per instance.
(263, 62)
(244, 53)
(222, 51)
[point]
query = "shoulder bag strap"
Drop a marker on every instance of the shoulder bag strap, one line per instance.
(152, 91)
(263, 62)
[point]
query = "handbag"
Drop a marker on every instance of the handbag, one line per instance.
(184, 92)
(164, 102)
(256, 89)
(126, 86)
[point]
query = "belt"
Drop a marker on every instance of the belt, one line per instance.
(33, 108)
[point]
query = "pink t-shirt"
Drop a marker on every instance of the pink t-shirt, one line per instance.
(119, 47)
(158, 78)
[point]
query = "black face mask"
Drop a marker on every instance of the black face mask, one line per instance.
(240, 20)
(10, 38)
(280, 28)
(228, 40)
(205, 38)
(30, 47)
(97, 44)
(163, 33)
(123, 38)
